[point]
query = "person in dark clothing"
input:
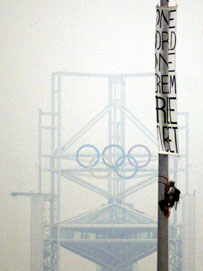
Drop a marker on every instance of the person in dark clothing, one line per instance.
(172, 197)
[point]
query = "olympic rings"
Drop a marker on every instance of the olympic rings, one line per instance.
(133, 174)
(117, 155)
(99, 177)
(119, 148)
(139, 146)
(86, 146)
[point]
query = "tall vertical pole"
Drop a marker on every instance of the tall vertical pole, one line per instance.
(162, 250)
(162, 260)
(175, 178)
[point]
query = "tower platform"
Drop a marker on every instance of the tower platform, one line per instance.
(113, 236)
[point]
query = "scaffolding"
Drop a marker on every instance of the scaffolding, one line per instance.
(110, 235)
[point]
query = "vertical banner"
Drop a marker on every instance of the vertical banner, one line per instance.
(165, 80)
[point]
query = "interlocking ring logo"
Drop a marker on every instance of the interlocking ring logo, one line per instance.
(114, 158)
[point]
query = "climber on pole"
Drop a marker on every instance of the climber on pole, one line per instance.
(172, 197)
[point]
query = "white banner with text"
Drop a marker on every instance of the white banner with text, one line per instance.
(165, 80)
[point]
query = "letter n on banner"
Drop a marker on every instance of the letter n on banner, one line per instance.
(165, 80)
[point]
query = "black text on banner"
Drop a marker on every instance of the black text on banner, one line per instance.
(165, 80)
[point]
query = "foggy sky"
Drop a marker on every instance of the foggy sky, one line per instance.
(41, 37)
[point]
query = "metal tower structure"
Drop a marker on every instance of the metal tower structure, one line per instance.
(115, 236)
(115, 193)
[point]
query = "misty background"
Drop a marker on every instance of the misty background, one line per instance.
(41, 37)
